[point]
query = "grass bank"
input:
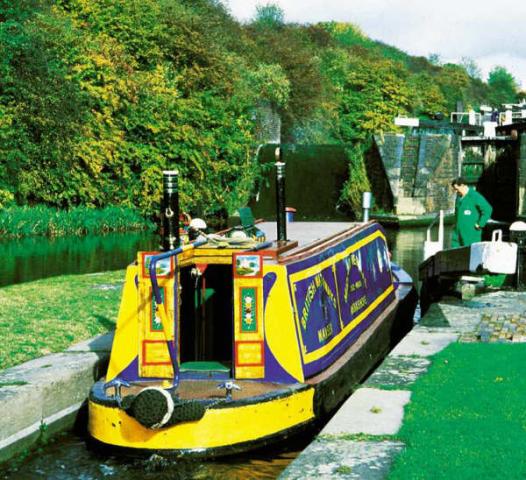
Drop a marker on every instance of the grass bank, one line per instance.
(49, 315)
(18, 222)
(466, 419)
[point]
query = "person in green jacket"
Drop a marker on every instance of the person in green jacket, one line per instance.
(472, 212)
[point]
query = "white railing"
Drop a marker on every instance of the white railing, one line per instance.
(508, 117)
(471, 118)
(432, 247)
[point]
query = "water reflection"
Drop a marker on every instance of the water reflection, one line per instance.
(407, 248)
(33, 258)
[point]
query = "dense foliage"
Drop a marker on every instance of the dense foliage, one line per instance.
(97, 97)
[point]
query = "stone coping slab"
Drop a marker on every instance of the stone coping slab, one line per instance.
(45, 394)
(457, 316)
(424, 343)
(464, 316)
(102, 343)
(335, 458)
(398, 372)
(369, 411)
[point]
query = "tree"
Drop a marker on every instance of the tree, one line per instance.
(373, 93)
(98, 97)
(435, 59)
(426, 97)
(503, 86)
(271, 83)
(292, 48)
(269, 15)
(471, 67)
(454, 83)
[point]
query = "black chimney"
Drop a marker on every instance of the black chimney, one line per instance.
(170, 210)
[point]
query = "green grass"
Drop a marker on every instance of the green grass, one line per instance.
(49, 315)
(467, 416)
(19, 222)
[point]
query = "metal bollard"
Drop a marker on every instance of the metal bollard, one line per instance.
(518, 235)
(367, 200)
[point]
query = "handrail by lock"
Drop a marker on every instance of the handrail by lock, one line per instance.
(432, 247)
(439, 218)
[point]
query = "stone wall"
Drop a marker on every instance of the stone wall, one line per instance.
(409, 165)
(420, 169)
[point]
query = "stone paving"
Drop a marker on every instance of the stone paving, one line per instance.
(398, 372)
(501, 328)
(366, 447)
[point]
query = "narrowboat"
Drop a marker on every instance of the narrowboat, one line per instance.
(227, 342)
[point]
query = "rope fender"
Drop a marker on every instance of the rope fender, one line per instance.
(156, 408)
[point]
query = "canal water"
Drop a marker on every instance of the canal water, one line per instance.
(33, 258)
(68, 457)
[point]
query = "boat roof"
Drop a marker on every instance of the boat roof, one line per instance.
(304, 239)
(306, 233)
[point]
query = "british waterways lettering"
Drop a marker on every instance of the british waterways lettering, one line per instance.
(354, 260)
(317, 282)
(358, 304)
(325, 333)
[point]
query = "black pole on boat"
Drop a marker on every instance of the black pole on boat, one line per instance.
(170, 210)
(280, 196)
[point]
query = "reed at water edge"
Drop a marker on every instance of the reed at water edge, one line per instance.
(19, 222)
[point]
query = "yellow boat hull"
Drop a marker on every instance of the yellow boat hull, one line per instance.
(221, 430)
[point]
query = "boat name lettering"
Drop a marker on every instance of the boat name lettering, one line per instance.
(325, 332)
(358, 304)
(352, 261)
(317, 282)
